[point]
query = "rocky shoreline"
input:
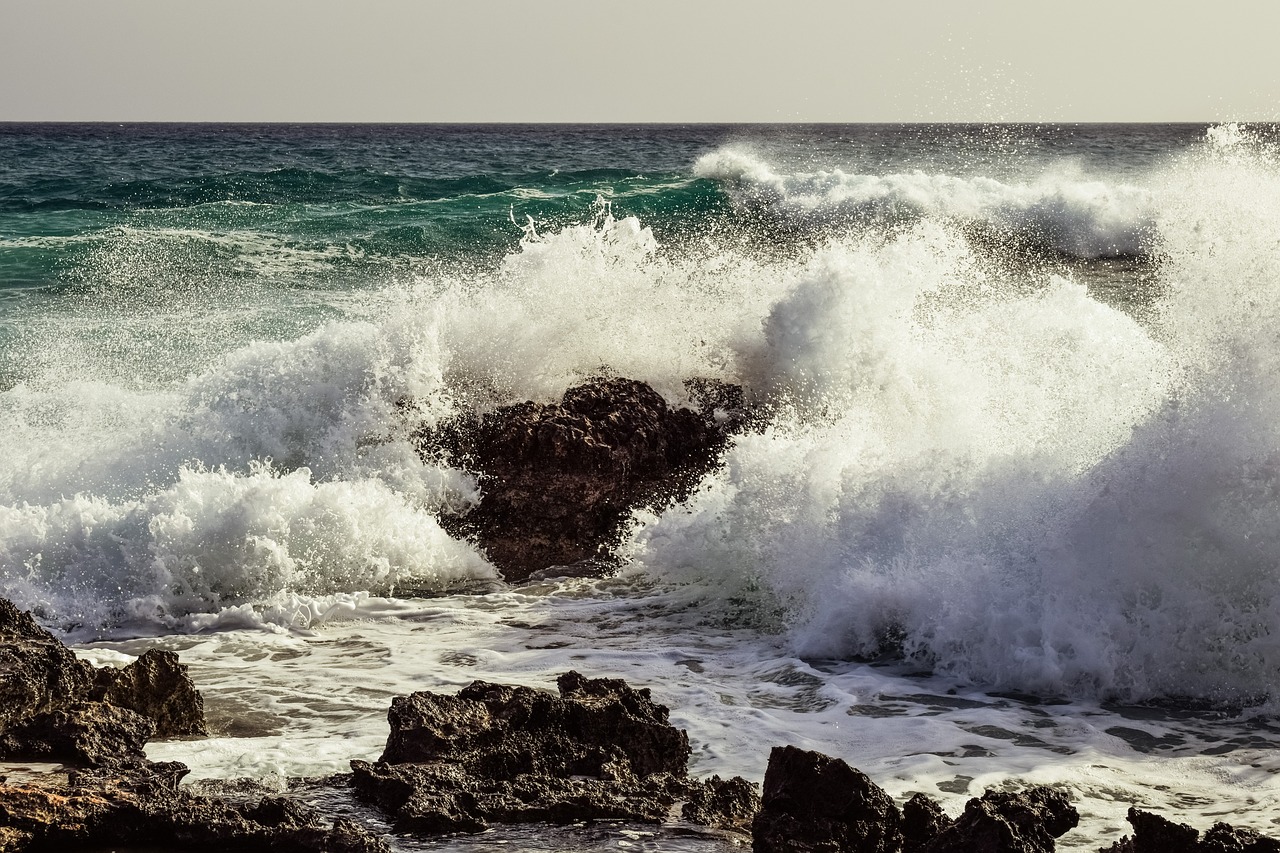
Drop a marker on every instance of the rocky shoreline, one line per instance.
(597, 750)
(559, 482)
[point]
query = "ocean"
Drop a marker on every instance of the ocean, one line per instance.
(1013, 516)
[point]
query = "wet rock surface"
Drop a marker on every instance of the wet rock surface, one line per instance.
(56, 707)
(1155, 834)
(815, 802)
(559, 480)
(145, 807)
(922, 821)
(1004, 822)
(729, 804)
(156, 686)
(493, 753)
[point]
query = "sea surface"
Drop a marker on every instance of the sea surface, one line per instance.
(1013, 517)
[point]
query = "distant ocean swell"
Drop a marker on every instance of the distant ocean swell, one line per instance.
(997, 475)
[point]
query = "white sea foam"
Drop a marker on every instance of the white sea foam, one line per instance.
(1071, 214)
(996, 472)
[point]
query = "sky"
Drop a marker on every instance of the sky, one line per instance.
(638, 61)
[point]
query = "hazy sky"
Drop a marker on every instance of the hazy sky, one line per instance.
(640, 60)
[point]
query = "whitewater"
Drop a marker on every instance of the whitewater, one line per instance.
(1009, 518)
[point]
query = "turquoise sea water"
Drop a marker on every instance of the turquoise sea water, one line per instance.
(1013, 515)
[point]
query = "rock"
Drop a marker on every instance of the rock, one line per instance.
(559, 481)
(145, 807)
(1155, 834)
(596, 727)
(442, 798)
(1224, 838)
(90, 733)
(1002, 822)
(37, 673)
(157, 686)
(723, 803)
(56, 707)
(500, 754)
(815, 802)
(922, 821)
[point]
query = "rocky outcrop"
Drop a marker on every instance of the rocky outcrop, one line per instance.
(156, 686)
(1155, 834)
(56, 707)
(499, 754)
(729, 804)
(922, 821)
(815, 802)
(145, 807)
(1004, 822)
(558, 481)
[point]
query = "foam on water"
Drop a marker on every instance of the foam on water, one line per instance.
(1082, 217)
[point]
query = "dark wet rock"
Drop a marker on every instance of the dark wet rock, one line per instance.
(1224, 838)
(559, 480)
(157, 686)
(145, 807)
(815, 802)
(922, 821)
(37, 673)
(442, 798)
(722, 803)
(95, 734)
(1155, 834)
(1004, 822)
(56, 707)
(499, 754)
(595, 727)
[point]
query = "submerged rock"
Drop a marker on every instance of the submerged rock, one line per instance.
(499, 754)
(559, 480)
(56, 707)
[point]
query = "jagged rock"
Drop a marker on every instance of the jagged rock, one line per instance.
(1155, 834)
(56, 707)
(144, 806)
(813, 802)
(596, 727)
(1002, 822)
(722, 803)
(494, 753)
(157, 686)
(92, 733)
(558, 481)
(37, 673)
(922, 821)
(1225, 838)
(442, 798)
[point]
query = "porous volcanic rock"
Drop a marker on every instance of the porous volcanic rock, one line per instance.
(500, 754)
(559, 480)
(922, 821)
(56, 707)
(145, 807)
(158, 687)
(729, 804)
(37, 673)
(815, 802)
(95, 734)
(1004, 822)
(1155, 834)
